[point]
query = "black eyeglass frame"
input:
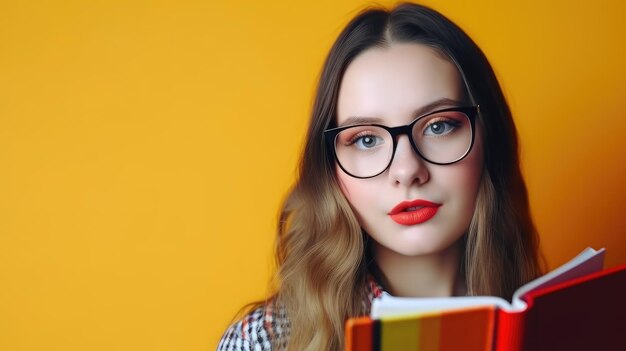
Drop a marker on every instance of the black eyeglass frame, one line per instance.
(470, 111)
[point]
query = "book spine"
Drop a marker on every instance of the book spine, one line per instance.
(361, 334)
(509, 331)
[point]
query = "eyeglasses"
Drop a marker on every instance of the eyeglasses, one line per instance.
(440, 137)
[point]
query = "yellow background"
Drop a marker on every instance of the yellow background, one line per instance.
(145, 147)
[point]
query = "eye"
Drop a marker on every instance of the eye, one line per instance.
(363, 138)
(368, 141)
(440, 127)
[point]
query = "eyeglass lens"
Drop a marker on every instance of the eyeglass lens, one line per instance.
(442, 137)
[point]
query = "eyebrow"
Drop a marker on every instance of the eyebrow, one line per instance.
(445, 102)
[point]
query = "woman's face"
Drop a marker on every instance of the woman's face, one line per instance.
(390, 84)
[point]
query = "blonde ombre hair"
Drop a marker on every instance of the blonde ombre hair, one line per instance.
(321, 251)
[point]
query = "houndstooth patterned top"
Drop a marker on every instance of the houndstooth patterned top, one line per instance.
(257, 329)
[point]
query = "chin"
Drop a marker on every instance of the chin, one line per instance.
(419, 251)
(425, 245)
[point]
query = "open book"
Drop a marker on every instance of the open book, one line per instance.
(578, 306)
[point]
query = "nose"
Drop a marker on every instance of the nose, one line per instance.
(407, 167)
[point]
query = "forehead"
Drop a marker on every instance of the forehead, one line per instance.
(392, 82)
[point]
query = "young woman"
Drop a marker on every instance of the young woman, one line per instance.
(409, 183)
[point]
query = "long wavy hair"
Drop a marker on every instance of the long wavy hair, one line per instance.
(321, 249)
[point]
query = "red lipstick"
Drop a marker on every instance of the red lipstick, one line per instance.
(413, 212)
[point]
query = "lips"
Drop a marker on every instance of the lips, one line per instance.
(413, 212)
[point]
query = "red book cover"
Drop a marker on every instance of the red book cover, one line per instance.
(509, 330)
(587, 313)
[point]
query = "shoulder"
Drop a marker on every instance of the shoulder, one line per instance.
(258, 330)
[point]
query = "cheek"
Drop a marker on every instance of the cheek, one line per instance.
(472, 170)
(346, 184)
(476, 165)
(461, 181)
(467, 176)
(357, 191)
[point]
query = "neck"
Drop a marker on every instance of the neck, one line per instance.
(431, 275)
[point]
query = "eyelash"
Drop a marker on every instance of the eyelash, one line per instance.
(451, 122)
(358, 136)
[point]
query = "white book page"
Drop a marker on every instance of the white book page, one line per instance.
(387, 305)
(588, 261)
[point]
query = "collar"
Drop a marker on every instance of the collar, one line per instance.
(374, 290)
